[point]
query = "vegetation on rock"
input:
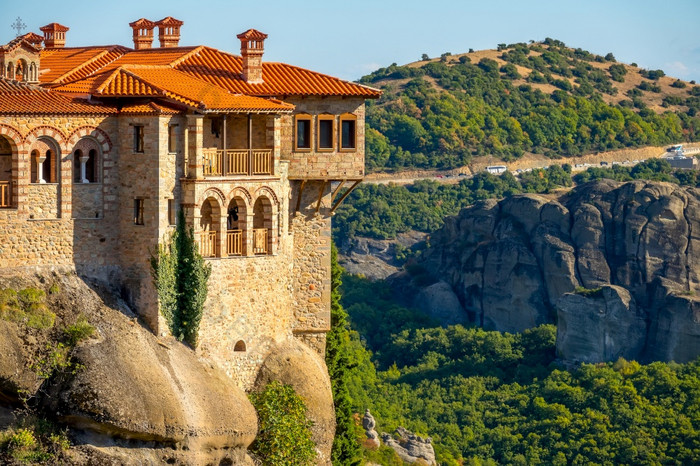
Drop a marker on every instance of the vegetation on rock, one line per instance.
(181, 276)
(284, 436)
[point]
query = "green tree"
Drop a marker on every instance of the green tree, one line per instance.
(346, 450)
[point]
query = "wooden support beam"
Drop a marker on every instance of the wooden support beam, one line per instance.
(337, 189)
(345, 194)
(301, 191)
(320, 195)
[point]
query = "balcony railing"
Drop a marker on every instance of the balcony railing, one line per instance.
(234, 243)
(260, 241)
(231, 162)
(5, 194)
(207, 243)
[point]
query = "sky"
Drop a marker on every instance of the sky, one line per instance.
(351, 38)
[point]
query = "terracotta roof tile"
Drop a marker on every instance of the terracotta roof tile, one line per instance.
(21, 98)
(56, 63)
(149, 108)
(252, 34)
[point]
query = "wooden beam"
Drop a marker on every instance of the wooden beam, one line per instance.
(301, 191)
(346, 194)
(337, 189)
(320, 195)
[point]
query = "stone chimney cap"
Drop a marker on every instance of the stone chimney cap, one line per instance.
(252, 34)
(143, 23)
(169, 21)
(54, 27)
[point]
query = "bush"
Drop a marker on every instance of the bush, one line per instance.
(284, 436)
(80, 330)
(27, 306)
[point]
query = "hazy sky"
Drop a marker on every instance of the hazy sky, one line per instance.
(353, 37)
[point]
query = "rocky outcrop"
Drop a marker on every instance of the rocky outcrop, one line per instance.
(411, 448)
(135, 399)
(375, 258)
(515, 263)
(368, 423)
(295, 364)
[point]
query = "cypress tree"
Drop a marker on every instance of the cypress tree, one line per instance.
(346, 449)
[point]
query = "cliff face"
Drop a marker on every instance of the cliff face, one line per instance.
(516, 263)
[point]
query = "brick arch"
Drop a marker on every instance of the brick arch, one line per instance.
(92, 131)
(242, 193)
(215, 193)
(49, 132)
(13, 135)
(269, 193)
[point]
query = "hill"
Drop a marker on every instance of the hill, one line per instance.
(543, 98)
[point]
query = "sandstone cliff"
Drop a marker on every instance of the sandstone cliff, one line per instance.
(616, 265)
(135, 398)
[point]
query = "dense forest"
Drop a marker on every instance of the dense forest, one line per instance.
(543, 98)
(383, 211)
(496, 398)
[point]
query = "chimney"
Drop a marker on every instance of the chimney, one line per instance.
(252, 49)
(143, 33)
(169, 31)
(54, 35)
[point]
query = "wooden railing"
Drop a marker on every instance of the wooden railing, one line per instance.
(230, 162)
(5, 194)
(207, 243)
(234, 243)
(260, 241)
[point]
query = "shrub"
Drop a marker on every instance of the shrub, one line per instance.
(27, 306)
(80, 330)
(284, 436)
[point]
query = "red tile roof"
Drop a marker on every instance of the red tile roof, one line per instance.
(22, 99)
(252, 34)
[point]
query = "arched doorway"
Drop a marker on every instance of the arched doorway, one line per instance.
(236, 227)
(262, 226)
(6, 173)
(209, 225)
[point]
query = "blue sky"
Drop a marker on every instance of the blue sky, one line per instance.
(353, 37)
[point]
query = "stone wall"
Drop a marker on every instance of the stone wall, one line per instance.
(87, 200)
(314, 164)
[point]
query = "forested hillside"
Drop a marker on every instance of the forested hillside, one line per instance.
(543, 98)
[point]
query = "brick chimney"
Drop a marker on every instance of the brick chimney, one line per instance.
(54, 35)
(143, 33)
(169, 32)
(252, 49)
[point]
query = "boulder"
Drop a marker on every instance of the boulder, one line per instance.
(368, 423)
(409, 447)
(439, 301)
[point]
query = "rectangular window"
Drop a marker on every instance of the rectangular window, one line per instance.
(325, 132)
(348, 136)
(303, 133)
(171, 212)
(172, 139)
(138, 138)
(138, 211)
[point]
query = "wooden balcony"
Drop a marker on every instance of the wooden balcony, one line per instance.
(237, 162)
(207, 243)
(5, 194)
(260, 240)
(234, 243)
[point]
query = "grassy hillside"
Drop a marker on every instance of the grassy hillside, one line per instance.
(542, 98)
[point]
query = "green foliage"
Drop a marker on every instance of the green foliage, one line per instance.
(339, 361)
(588, 292)
(57, 361)
(678, 84)
(78, 331)
(181, 275)
(284, 436)
(449, 112)
(30, 441)
(497, 398)
(28, 306)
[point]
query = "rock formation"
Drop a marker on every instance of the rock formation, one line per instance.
(368, 423)
(514, 263)
(411, 448)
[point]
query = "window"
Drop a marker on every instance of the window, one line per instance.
(76, 166)
(91, 167)
(138, 212)
(325, 132)
(348, 133)
(303, 132)
(172, 139)
(171, 212)
(138, 138)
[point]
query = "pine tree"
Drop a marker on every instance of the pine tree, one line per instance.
(346, 449)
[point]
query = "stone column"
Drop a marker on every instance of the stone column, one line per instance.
(40, 167)
(83, 163)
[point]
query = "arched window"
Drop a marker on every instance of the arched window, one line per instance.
(240, 346)
(86, 161)
(210, 224)
(10, 71)
(44, 161)
(5, 172)
(76, 165)
(236, 228)
(20, 70)
(262, 226)
(49, 166)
